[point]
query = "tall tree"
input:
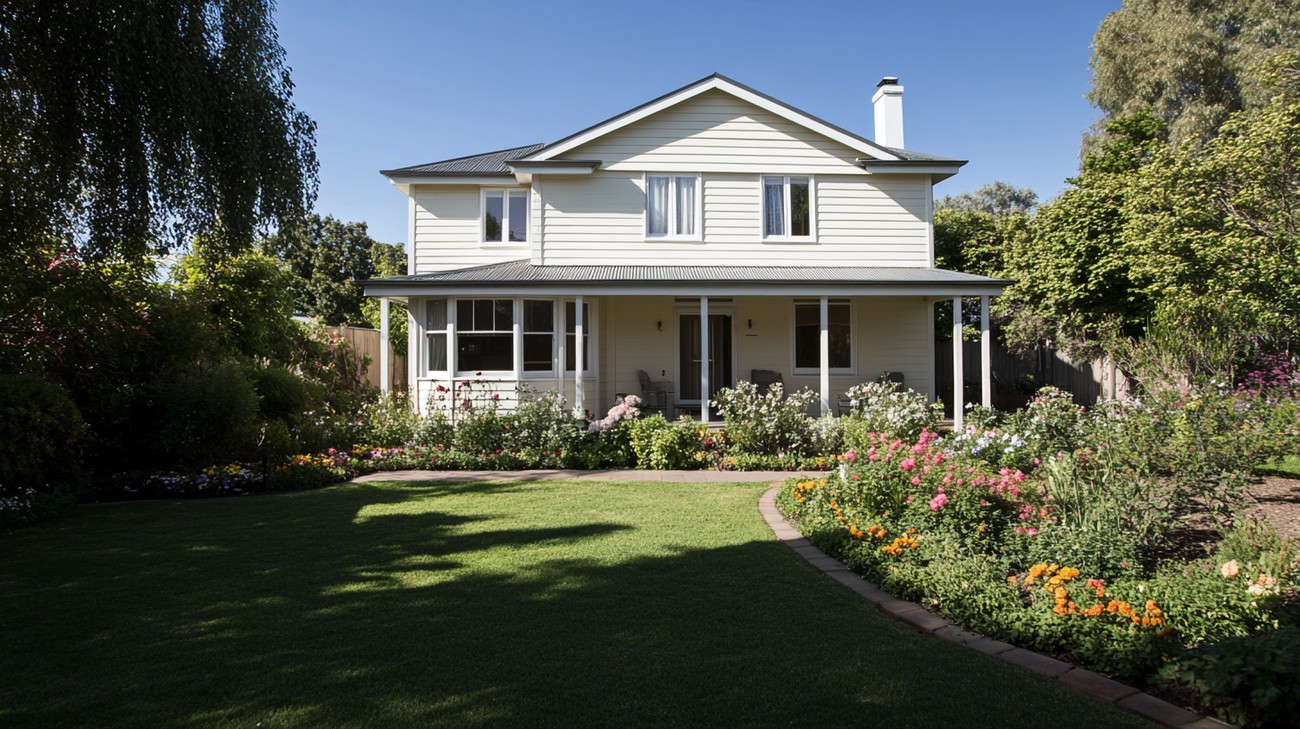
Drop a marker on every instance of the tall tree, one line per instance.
(996, 198)
(1188, 61)
(326, 256)
(130, 126)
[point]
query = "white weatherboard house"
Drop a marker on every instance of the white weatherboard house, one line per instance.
(713, 225)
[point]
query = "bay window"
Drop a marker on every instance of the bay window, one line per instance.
(435, 335)
(485, 335)
(539, 335)
(787, 207)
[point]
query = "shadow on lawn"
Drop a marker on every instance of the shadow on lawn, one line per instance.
(275, 613)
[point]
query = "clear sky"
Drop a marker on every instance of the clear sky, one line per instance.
(401, 82)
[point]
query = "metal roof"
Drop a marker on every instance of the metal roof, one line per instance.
(489, 163)
(524, 273)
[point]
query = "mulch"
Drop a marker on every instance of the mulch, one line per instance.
(1276, 500)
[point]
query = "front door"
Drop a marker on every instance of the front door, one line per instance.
(688, 367)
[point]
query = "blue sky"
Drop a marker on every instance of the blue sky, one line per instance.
(395, 83)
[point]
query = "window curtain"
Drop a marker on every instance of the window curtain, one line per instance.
(685, 206)
(656, 207)
(773, 207)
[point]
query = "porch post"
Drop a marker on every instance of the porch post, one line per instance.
(704, 359)
(825, 355)
(986, 354)
(383, 345)
(958, 375)
(579, 362)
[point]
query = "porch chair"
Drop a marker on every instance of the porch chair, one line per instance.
(656, 395)
(764, 379)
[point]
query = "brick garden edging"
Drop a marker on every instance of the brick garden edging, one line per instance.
(1079, 680)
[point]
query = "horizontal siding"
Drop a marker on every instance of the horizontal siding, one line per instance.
(716, 132)
(447, 219)
(869, 221)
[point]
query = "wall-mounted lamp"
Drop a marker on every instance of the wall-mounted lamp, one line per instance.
(659, 325)
(750, 323)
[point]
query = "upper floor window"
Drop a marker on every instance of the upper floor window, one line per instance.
(787, 207)
(672, 206)
(505, 216)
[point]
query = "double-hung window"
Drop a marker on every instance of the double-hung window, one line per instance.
(505, 216)
(787, 207)
(672, 206)
(807, 335)
(435, 334)
(571, 336)
(485, 335)
(539, 335)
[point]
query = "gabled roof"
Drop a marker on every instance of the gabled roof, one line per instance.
(489, 163)
(721, 83)
(498, 163)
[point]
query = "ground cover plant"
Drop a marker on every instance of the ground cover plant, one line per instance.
(1068, 530)
(469, 604)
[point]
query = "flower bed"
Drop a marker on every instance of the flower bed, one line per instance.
(1066, 549)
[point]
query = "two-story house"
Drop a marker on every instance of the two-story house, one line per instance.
(710, 235)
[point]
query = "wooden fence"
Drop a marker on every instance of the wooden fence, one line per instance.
(1087, 380)
(365, 342)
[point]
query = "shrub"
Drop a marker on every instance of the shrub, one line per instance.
(881, 407)
(682, 446)
(1251, 680)
(42, 432)
(544, 423)
(482, 432)
(642, 434)
(1049, 422)
(433, 430)
(826, 437)
(282, 395)
(766, 424)
(388, 421)
(203, 414)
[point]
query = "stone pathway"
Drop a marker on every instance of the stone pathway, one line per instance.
(1076, 679)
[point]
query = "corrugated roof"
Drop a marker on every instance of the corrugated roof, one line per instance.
(524, 273)
(490, 163)
(914, 156)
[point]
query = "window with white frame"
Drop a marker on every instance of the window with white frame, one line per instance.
(435, 335)
(539, 335)
(571, 336)
(787, 207)
(807, 334)
(505, 216)
(485, 339)
(672, 206)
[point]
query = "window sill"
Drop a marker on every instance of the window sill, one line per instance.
(787, 239)
(672, 239)
(804, 371)
(508, 246)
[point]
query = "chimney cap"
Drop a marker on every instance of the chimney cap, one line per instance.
(888, 81)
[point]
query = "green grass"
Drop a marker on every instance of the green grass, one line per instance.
(1288, 467)
(523, 604)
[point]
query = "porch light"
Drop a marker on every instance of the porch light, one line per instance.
(750, 323)
(659, 325)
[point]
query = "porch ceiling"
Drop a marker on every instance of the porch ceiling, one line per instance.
(742, 280)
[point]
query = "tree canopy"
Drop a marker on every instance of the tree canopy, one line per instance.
(1189, 62)
(128, 128)
(326, 256)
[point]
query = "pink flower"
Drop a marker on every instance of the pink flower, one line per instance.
(916, 480)
(908, 464)
(1230, 569)
(851, 456)
(937, 502)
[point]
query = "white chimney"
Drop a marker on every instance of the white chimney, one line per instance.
(888, 103)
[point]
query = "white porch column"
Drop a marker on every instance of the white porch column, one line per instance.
(824, 358)
(958, 375)
(704, 359)
(579, 361)
(986, 355)
(384, 377)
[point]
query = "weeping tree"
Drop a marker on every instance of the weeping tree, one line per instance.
(127, 128)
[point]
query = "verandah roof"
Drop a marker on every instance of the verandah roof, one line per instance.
(640, 279)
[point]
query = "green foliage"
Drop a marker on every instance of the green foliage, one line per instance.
(325, 256)
(41, 464)
(247, 297)
(390, 260)
(661, 445)
(773, 423)
(202, 414)
(546, 424)
(132, 126)
(1191, 63)
(997, 199)
(882, 407)
(389, 421)
(1250, 680)
(434, 430)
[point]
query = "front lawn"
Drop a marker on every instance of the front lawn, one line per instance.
(530, 604)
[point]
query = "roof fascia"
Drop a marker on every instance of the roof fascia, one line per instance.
(692, 290)
(710, 83)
